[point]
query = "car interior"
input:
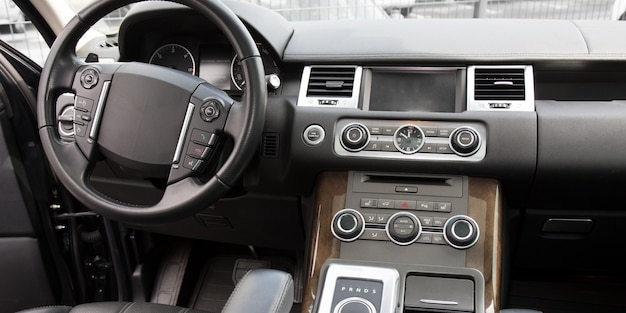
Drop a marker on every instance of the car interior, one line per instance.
(212, 156)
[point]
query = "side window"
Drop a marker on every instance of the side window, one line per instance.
(17, 30)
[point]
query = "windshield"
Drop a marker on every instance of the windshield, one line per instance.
(304, 10)
(21, 34)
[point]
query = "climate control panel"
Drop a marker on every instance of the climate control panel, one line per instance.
(414, 140)
(407, 209)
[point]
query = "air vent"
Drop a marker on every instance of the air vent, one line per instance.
(499, 84)
(108, 43)
(270, 145)
(331, 82)
(505, 88)
(330, 86)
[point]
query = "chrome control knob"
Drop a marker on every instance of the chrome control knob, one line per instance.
(355, 137)
(461, 232)
(465, 141)
(348, 225)
(403, 228)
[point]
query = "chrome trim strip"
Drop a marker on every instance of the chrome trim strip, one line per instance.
(440, 302)
(183, 133)
(95, 126)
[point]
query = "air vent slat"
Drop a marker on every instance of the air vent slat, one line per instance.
(331, 82)
(501, 84)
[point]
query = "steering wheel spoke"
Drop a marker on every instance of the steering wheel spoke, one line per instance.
(201, 133)
(92, 84)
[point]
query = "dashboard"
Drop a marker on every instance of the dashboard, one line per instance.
(380, 138)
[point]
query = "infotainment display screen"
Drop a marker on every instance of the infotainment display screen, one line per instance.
(413, 90)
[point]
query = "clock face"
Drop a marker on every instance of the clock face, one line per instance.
(408, 139)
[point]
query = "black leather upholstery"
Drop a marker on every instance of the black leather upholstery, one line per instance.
(113, 307)
(519, 311)
(262, 291)
(259, 291)
(49, 309)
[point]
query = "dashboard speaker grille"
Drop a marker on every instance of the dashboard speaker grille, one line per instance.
(331, 81)
(500, 84)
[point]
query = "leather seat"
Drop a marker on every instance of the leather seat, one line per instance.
(259, 291)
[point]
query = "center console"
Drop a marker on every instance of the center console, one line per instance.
(389, 242)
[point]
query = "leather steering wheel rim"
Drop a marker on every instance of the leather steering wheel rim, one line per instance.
(187, 196)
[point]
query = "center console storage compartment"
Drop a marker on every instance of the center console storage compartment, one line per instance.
(438, 293)
(375, 287)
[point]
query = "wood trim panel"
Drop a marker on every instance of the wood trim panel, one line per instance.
(485, 206)
(330, 198)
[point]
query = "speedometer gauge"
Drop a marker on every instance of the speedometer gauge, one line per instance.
(174, 56)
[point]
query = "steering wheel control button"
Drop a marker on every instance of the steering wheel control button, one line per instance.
(198, 151)
(191, 163)
(403, 228)
(314, 135)
(354, 137)
(210, 111)
(461, 232)
(83, 104)
(348, 225)
(464, 141)
(80, 129)
(204, 138)
(89, 78)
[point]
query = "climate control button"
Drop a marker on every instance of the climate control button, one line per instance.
(355, 137)
(461, 232)
(348, 225)
(403, 228)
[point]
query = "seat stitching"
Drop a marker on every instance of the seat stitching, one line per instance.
(277, 303)
(237, 287)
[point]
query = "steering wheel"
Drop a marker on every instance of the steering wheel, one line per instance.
(156, 121)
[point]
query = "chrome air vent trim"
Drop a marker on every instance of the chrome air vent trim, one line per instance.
(500, 88)
(330, 86)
